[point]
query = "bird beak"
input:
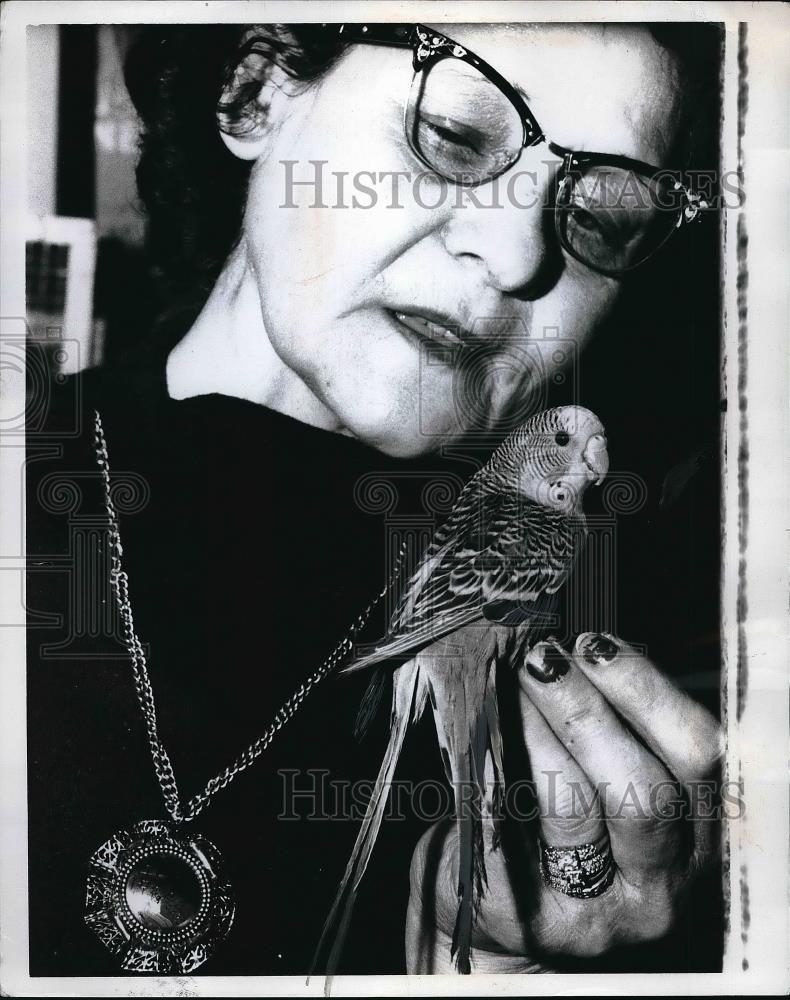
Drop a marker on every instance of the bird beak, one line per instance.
(596, 457)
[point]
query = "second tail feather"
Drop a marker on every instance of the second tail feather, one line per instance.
(467, 725)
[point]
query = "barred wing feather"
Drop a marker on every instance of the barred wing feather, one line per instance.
(496, 547)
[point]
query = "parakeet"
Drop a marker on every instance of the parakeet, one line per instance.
(507, 547)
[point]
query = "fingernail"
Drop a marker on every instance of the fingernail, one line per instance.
(597, 648)
(546, 663)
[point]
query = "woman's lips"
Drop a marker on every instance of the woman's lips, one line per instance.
(425, 327)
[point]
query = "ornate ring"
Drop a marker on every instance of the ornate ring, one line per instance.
(582, 871)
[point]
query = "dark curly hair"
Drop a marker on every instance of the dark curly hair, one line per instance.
(194, 190)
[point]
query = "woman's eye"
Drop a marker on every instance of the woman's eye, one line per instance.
(596, 223)
(562, 438)
(585, 220)
(446, 131)
(601, 227)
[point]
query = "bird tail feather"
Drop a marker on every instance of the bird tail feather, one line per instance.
(462, 729)
(371, 702)
(337, 923)
(497, 755)
(471, 862)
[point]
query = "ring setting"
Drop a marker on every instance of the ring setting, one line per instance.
(582, 871)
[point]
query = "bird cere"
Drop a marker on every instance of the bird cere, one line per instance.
(496, 564)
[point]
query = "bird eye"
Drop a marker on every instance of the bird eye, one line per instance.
(562, 438)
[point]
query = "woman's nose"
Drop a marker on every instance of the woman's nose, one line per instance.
(506, 228)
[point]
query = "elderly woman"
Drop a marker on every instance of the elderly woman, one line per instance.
(385, 245)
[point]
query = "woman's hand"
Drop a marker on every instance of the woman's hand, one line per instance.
(614, 749)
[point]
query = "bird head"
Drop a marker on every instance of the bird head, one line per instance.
(556, 455)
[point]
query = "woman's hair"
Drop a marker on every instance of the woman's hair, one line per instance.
(194, 190)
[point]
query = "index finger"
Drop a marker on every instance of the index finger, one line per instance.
(680, 731)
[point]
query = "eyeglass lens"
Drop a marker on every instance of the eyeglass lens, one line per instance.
(464, 128)
(461, 124)
(613, 218)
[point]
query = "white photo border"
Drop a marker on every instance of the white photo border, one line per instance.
(756, 487)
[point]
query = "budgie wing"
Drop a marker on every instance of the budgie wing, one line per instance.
(497, 547)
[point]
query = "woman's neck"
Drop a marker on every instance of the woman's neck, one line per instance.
(228, 351)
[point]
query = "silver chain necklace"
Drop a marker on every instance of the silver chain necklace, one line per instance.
(156, 896)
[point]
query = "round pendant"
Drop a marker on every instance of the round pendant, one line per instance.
(157, 899)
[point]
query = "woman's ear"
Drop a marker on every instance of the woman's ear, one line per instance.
(253, 104)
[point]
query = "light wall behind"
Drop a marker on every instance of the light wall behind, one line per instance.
(115, 132)
(43, 61)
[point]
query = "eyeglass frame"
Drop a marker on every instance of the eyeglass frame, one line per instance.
(429, 47)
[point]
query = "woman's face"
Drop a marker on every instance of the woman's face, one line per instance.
(334, 274)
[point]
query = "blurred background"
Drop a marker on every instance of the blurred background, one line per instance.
(88, 287)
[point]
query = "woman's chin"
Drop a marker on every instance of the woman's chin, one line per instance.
(392, 432)
(401, 410)
(395, 442)
(407, 439)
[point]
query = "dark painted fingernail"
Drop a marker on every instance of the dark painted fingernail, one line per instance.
(547, 663)
(597, 648)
